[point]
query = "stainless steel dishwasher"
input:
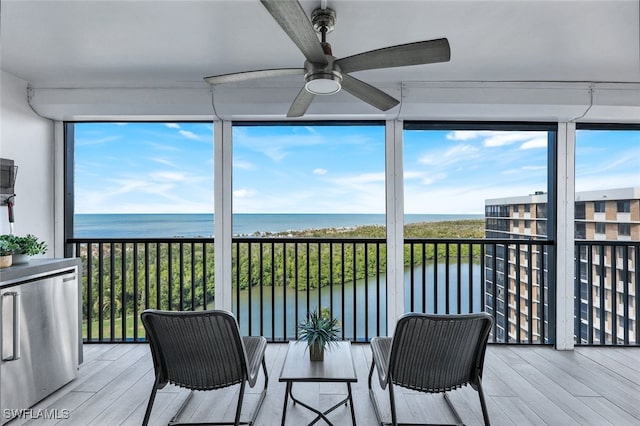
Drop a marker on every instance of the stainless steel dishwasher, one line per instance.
(39, 336)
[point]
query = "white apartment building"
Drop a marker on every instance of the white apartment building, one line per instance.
(607, 232)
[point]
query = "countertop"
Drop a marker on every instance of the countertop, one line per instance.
(35, 268)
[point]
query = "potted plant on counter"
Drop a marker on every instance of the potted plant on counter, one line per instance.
(319, 330)
(6, 253)
(25, 247)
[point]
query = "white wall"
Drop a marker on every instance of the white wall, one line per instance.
(27, 139)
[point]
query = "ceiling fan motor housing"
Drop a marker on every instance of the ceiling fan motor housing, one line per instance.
(323, 79)
(323, 20)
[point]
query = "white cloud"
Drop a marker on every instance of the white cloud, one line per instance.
(276, 146)
(463, 135)
(461, 151)
(169, 176)
(96, 141)
(243, 165)
(172, 125)
(427, 159)
(243, 193)
(491, 138)
(505, 138)
(430, 179)
(189, 135)
(520, 170)
(535, 143)
(320, 171)
(412, 175)
(360, 179)
(455, 154)
(163, 161)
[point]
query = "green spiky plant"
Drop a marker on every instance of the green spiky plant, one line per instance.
(319, 330)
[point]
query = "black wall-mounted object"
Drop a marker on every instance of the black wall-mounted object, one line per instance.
(8, 172)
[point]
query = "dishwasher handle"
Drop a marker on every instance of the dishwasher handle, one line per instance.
(16, 327)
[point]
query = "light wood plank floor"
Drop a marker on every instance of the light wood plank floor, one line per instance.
(525, 385)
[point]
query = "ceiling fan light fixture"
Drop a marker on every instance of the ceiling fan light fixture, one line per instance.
(323, 83)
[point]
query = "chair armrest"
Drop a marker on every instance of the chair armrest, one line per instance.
(381, 350)
(255, 347)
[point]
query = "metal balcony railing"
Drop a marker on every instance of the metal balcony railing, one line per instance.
(276, 281)
(607, 285)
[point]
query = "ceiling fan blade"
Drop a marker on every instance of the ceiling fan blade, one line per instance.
(300, 103)
(419, 53)
(368, 93)
(291, 17)
(250, 75)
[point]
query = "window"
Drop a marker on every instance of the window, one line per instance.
(624, 229)
(290, 177)
(580, 210)
(139, 179)
(461, 168)
(623, 275)
(541, 211)
(581, 231)
(606, 158)
(599, 206)
(620, 253)
(527, 208)
(624, 206)
(600, 228)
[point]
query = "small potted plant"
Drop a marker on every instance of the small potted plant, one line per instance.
(25, 247)
(6, 253)
(319, 330)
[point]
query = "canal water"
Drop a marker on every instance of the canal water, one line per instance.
(281, 308)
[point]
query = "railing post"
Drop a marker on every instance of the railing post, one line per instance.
(395, 223)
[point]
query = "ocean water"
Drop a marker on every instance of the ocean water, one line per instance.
(202, 225)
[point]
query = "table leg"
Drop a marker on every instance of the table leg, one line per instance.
(349, 397)
(286, 401)
(320, 414)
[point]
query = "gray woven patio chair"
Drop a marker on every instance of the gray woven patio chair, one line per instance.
(203, 350)
(433, 354)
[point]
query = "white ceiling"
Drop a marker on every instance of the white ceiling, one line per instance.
(174, 44)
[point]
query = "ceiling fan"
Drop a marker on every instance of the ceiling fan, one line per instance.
(323, 73)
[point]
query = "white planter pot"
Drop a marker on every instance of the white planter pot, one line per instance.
(20, 258)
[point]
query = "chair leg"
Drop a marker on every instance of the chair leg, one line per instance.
(152, 397)
(453, 410)
(262, 394)
(483, 404)
(174, 419)
(372, 396)
(392, 403)
(239, 407)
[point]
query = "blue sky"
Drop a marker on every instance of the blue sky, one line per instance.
(168, 167)
(143, 167)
